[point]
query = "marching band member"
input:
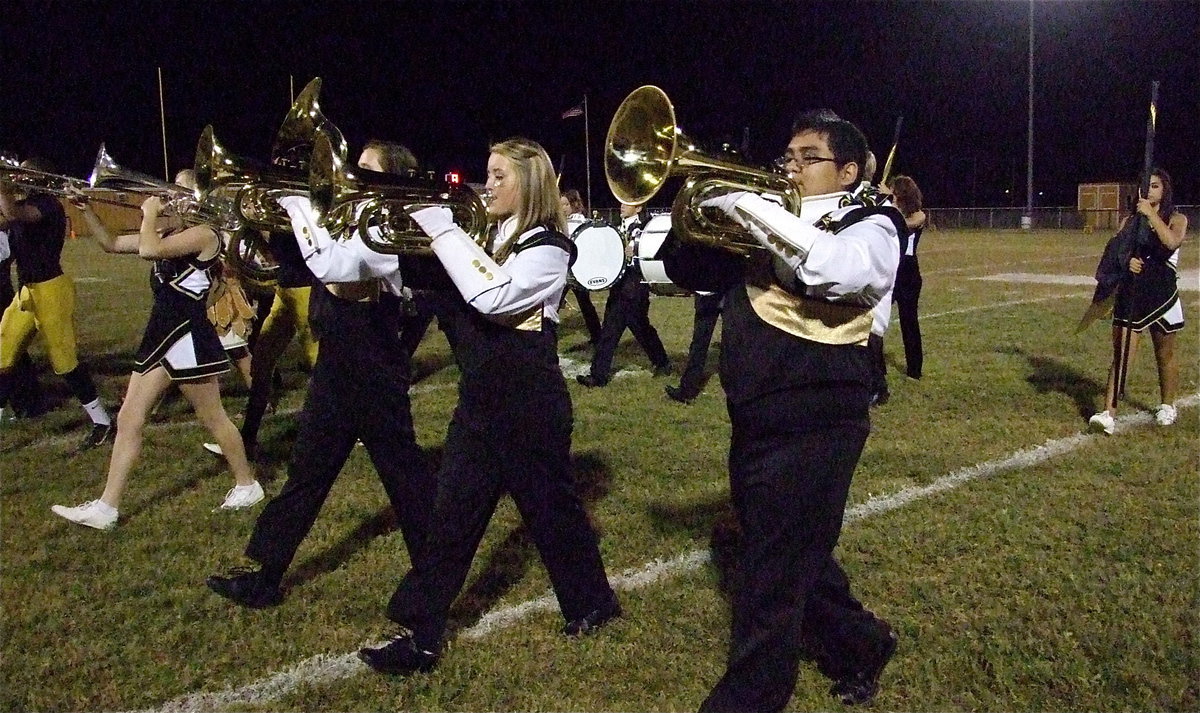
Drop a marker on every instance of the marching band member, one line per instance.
(45, 301)
(288, 318)
(906, 196)
(576, 212)
(797, 377)
(358, 391)
(179, 345)
(511, 430)
(27, 400)
(1148, 298)
(627, 307)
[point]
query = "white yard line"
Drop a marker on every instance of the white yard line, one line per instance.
(997, 305)
(325, 668)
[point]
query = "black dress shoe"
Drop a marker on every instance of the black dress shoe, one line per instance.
(247, 587)
(663, 369)
(676, 394)
(598, 618)
(400, 657)
(860, 687)
(590, 381)
(880, 398)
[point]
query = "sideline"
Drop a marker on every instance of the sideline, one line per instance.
(325, 668)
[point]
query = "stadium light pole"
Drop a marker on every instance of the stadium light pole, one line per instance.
(1027, 219)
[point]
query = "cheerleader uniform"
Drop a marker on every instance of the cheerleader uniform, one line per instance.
(179, 335)
(1151, 299)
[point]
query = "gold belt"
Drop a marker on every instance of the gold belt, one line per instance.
(364, 291)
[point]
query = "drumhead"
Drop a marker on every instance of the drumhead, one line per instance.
(601, 259)
(650, 259)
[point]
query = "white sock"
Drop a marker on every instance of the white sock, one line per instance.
(2, 413)
(95, 410)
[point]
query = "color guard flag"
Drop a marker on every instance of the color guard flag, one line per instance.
(576, 110)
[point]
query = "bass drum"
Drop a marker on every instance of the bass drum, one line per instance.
(650, 258)
(601, 256)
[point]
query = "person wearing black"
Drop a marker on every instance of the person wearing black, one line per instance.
(27, 400)
(906, 195)
(45, 300)
(627, 307)
(708, 309)
(511, 430)
(576, 212)
(797, 379)
(358, 391)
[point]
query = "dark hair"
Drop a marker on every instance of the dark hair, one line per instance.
(576, 200)
(1166, 206)
(845, 140)
(393, 157)
(908, 195)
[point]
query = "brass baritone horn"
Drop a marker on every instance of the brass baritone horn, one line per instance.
(251, 188)
(645, 146)
(361, 199)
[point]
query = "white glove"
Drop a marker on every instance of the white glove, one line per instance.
(436, 220)
(724, 203)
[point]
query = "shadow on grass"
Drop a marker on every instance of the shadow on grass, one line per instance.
(509, 560)
(380, 524)
(1050, 375)
(713, 518)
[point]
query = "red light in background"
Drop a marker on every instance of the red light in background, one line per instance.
(454, 178)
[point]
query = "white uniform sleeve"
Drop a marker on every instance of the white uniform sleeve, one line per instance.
(857, 264)
(528, 279)
(332, 260)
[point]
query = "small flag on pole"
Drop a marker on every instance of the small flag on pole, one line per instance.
(576, 110)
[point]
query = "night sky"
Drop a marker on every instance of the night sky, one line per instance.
(447, 78)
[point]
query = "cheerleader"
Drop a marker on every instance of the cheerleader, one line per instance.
(511, 430)
(179, 345)
(1148, 297)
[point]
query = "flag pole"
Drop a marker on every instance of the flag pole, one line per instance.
(291, 89)
(587, 147)
(162, 116)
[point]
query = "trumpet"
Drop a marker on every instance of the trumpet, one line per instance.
(377, 204)
(644, 147)
(181, 200)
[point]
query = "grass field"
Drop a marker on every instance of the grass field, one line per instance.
(1026, 566)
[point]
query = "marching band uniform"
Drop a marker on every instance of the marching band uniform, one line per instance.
(45, 302)
(358, 391)
(707, 310)
(908, 292)
(628, 306)
(288, 317)
(797, 376)
(27, 399)
(511, 431)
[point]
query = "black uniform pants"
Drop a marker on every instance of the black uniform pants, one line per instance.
(708, 309)
(590, 318)
(789, 479)
(906, 296)
(477, 469)
(628, 306)
(358, 391)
